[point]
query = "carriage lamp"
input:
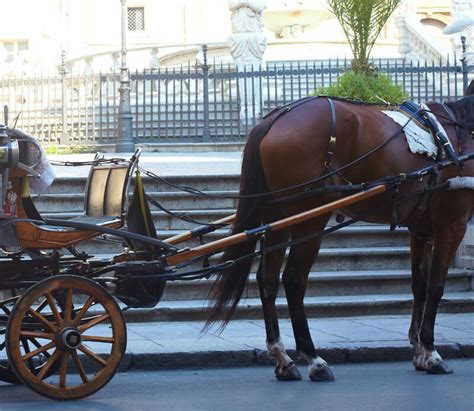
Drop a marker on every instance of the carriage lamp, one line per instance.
(9, 157)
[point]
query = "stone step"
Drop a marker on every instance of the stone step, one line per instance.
(345, 259)
(74, 202)
(362, 235)
(329, 283)
(164, 221)
(315, 307)
(171, 224)
(76, 184)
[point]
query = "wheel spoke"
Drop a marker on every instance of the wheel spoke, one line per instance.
(92, 355)
(26, 347)
(4, 308)
(54, 309)
(42, 319)
(35, 342)
(39, 350)
(63, 369)
(92, 323)
(96, 338)
(37, 334)
(68, 306)
(83, 310)
(79, 367)
(48, 364)
(43, 304)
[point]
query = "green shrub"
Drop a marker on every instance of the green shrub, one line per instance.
(53, 150)
(371, 88)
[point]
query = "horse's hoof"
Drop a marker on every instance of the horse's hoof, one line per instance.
(322, 374)
(440, 368)
(287, 372)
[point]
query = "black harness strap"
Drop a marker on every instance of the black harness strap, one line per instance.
(441, 140)
(457, 128)
(332, 137)
(332, 143)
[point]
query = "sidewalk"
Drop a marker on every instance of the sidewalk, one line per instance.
(160, 345)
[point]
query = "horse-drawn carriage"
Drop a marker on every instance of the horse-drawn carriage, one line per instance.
(61, 319)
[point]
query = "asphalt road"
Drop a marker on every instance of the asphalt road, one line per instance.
(382, 386)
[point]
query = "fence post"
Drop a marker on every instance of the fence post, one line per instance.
(64, 139)
(206, 137)
(124, 142)
(464, 65)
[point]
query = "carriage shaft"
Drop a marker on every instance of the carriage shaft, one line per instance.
(275, 226)
(204, 229)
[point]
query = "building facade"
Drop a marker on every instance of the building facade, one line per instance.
(86, 35)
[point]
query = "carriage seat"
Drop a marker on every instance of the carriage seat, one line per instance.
(106, 193)
(105, 204)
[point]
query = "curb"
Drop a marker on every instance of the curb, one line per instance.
(313, 310)
(255, 357)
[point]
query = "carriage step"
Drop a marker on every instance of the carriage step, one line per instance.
(316, 307)
(329, 283)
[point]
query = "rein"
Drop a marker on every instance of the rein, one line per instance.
(284, 110)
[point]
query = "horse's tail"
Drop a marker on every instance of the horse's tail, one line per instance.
(230, 283)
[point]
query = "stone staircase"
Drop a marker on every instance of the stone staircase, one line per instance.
(361, 270)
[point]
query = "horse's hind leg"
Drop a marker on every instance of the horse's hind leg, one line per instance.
(268, 277)
(446, 240)
(295, 280)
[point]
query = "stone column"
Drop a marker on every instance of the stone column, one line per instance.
(247, 45)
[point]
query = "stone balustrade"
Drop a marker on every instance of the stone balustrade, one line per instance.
(416, 43)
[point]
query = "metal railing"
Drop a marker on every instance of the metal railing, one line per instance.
(195, 103)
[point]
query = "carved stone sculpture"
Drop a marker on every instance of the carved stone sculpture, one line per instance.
(247, 43)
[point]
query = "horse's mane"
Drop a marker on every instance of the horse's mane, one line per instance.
(464, 111)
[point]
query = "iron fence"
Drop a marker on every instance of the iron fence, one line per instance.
(195, 103)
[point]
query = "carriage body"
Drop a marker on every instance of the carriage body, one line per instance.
(51, 303)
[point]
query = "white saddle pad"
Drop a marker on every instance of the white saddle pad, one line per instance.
(419, 140)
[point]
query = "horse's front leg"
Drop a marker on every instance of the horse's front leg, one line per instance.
(446, 242)
(268, 278)
(295, 280)
(420, 253)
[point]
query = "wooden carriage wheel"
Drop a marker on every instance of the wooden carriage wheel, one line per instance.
(83, 346)
(6, 372)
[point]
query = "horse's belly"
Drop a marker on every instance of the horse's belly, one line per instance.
(385, 210)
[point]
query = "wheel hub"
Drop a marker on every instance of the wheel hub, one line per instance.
(69, 339)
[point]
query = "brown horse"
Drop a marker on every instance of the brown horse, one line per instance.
(292, 146)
